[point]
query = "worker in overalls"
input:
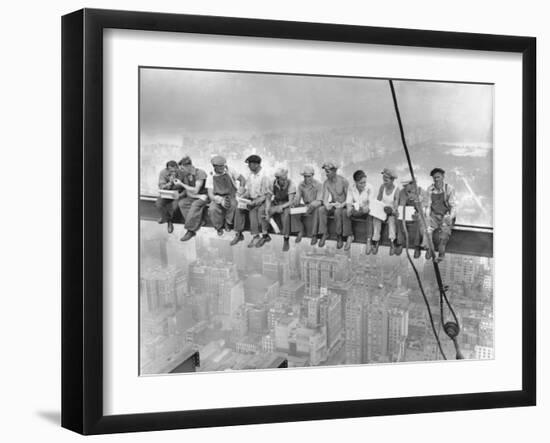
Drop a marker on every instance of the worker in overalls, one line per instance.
(410, 196)
(194, 200)
(387, 194)
(278, 201)
(167, 207)
(222, 187)
(441, 212)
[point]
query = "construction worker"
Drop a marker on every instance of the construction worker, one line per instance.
(278, 201)
(166, 206)
(310, 194)
(441, 202)
(193, 202)
(387, 194)
(410, 196)
(257, 186)
(221, 185)
(335, 189)
(357, 205)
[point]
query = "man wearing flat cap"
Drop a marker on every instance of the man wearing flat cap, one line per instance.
(388, 194)
(257, 186)
(167, 206)
(278, 201)
(441, 202)
(335, 189)
(310, 194)
(222, 187)
(193, 201)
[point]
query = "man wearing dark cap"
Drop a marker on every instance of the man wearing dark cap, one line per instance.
(167, 206)
(256, 188)
(387, 194)
(335, 189)
(222, 187)
(441, 202)
(193, 201)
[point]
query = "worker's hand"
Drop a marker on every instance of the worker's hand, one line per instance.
(349, 211)
(241, 191)
(178, 182)
(447, 220)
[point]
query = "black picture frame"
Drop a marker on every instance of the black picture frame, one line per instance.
(82, 218)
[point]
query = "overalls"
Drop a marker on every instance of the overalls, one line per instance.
(438, 210)
(219, 215)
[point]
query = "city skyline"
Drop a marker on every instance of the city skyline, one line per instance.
(242, 308)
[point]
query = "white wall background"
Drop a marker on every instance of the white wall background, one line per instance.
(30, 177)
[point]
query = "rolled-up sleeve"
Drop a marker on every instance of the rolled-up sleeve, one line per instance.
(349, 196)
(164, 180)
(451, 201)
(298, 196)
(209, 184)
(266, 185)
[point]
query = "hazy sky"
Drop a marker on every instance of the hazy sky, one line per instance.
(175, 102)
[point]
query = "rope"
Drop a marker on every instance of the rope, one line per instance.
(451, 329)
(421, 286)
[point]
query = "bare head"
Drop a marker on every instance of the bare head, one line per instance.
(172, 166)
(360, 179)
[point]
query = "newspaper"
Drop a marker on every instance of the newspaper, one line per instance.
(298, 210)
(409, 211)
(377, 210)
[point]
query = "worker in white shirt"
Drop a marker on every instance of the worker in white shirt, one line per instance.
(357, 205)
(387, 194)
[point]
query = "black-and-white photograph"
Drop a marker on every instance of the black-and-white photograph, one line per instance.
(294, 221)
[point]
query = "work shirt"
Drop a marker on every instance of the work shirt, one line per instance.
(190, 179)
(257, 184)
(231, 173)
(281, 194)
(449, 197)
(335, 191)
(359, 199)
(309, 193)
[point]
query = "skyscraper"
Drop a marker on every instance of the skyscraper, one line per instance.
(398, 329)
(355, 327)
(320, 270)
